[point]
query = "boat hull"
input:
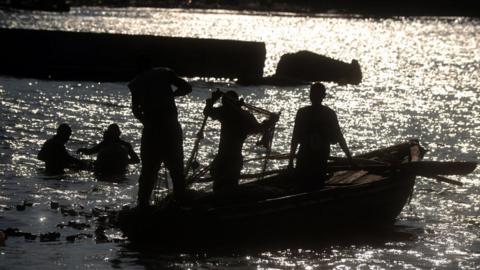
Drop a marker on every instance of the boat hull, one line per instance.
(301, 215)
(369, 201)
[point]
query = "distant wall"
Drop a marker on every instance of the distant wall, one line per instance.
(113, 57)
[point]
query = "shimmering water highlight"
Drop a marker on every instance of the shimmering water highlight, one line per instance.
(421, 80)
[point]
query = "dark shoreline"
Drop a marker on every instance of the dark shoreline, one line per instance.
(365, 8)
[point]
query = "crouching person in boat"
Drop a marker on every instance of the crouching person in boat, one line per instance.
(56, 156)
(236, 124)
(114, 154)
(153, 103)
(316, 128)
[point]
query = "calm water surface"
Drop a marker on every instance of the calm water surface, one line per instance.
(421, 80)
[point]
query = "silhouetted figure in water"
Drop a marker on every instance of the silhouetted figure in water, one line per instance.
(54, 154)
(114, 154)
(316, 128)
(153, 103)
(236, 124)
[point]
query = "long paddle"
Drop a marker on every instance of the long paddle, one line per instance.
(434, 168)
(193, 155)
(422, 168)
(429, 169)
(447, 180)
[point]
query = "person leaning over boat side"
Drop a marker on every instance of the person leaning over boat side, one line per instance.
(153, 103)
(56, 156)
(236, 124)
(316, 127)
(114, 154)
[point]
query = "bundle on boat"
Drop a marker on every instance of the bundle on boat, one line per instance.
(273, 207)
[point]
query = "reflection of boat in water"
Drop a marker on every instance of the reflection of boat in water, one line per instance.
(43, 5)
(371, 195)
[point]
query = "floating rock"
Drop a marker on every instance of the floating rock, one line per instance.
(102, 219)
(78, 225)
(85, 214)
(97, 212)
(3, 237)
(86, 235)
(68, 212)
(26, 203)
(54, 205)
(29, 236)
(14, 232)
(49, 237)
(100, 236)
(21, 207)
(74, 224)
(118, 240)
(72, 238)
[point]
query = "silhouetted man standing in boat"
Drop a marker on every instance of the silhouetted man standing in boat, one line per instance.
(56, 156)
(153, 103)
(114, 154)
(316, 128)
(236, 124)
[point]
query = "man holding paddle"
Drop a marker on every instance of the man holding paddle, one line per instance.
(236, 125)
(316, 127)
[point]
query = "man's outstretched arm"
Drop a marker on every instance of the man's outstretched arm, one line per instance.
(133, 157)
(209, 110)
(183, 87)
(343, 145)
(90, 151)
(340, 139)
(136, 107)
(295, 140)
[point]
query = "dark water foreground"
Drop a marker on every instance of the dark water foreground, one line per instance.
(421, 80)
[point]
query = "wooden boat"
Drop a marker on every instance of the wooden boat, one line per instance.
(371, 195)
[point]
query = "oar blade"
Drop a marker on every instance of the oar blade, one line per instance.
(432, 168)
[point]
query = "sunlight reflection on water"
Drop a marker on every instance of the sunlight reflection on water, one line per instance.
(421, 80)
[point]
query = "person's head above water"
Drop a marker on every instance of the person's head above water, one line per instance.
(63, 132)
(230, 98)
(112, 132)
(317, 93)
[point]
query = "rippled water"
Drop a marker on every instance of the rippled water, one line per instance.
(421, 80)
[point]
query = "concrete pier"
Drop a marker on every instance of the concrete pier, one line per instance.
(64, 55)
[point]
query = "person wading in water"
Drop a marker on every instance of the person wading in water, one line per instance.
(56, 156)
(114, 154)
